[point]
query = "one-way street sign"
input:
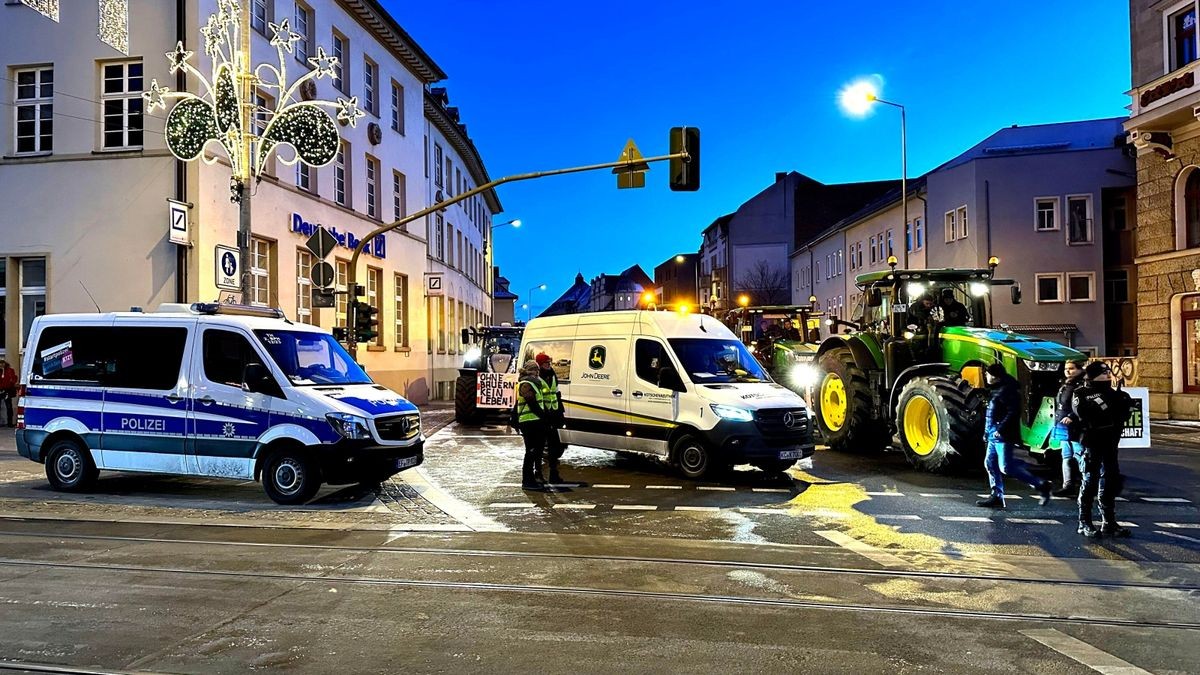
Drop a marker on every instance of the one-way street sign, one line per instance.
(321, 243)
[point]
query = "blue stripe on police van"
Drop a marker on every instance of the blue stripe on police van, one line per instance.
(380, 407)
(81, 393)
(40, 417)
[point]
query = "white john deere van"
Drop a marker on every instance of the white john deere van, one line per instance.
(208, 390)
(682, 387)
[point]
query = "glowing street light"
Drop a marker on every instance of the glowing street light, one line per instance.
(856, 99)
(744, 300)
(515, 222)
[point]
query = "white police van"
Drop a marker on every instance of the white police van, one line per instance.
(212, 390)
(681, 387)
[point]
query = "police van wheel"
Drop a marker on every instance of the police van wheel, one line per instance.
(69, 466)
(693, 458)
(290, 478)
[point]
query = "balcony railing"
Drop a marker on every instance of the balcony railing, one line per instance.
(1165, 90)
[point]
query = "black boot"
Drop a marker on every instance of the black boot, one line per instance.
(1086, 528)
(1044, 492)
(1109, 526)
(993, 502)
(1069, 489)
(530, 476)
(557, 479)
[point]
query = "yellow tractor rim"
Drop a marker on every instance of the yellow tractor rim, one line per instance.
(833, 401)
(920, 425)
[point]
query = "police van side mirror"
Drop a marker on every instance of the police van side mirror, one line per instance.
(257, 379)
(1014, 293)
(669, 379)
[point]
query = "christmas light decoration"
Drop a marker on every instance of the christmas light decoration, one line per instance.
(197, 123)
(47, 8)
(113, 29)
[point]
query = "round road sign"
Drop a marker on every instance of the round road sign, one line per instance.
(322, 274)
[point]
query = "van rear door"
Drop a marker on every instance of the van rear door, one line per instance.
(598, 408)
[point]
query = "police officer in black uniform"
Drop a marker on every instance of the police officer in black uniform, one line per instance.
(1101, 411)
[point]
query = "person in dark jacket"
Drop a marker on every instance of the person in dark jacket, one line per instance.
(1067, 429)
(556, 419)
(1002, 430)
(1101, 412)
(8, 390)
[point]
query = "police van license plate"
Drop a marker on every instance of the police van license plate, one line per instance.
(406, 462)
(791, 454)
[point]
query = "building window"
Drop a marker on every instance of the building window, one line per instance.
(397, 107)
(263, 107)
(375, 299)
(1081, 286)
(401, 306)
(1190, 318)
(951, 227)
(1116, 286)
(919, 225)
(121, 99)
(449, 177)
(304, 287)
(399, 195)
(303, 28)
(34, 108)
(890, 251)
(439, 237)
(962, 222)
(871, 245)
(372, 187)
(339, 52)
(340, 175)
(33, 293)
(1191, 211)
(437, 165)
(1182, 44)
(304, 176)
(259, 15)
(260, 272)
(1045, 214)
(1079, 219)
(370, 77)
(1049, 288)
(341, 278)
(908, 237)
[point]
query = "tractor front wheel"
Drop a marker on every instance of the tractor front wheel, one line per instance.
(939, 422)
(843, 405)
(465, 410)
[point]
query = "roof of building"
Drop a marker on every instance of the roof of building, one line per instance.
(445, 117)
(871, 208)
(819, 205)
(576, 299)
(722, 222)
(1045, 138)
(372, 15)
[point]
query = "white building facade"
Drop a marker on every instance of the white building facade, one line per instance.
(85, 174)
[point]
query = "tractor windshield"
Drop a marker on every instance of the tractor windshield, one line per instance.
(499, 352)
(950, 303)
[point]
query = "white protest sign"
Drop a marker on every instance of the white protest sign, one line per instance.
(495, 390)
(1136, 433)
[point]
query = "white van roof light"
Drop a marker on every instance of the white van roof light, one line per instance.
(236, 310)
(169, 308)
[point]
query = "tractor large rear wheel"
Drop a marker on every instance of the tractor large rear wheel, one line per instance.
(940, 423)
(842, 405)
(465, 410)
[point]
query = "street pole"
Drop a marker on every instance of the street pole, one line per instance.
(903, 174)
(245, 172)
(352, 272)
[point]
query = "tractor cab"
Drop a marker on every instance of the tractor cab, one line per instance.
(490, 350)
(783, 338)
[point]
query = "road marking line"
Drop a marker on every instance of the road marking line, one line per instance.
(697, 508)
(1180, 526)
(902, 516)
(862, 548)
(1123, 523)
(748, 509)
(770, 490)
(1122, 499)
(716, 487)
(634, 507)
(943, 494)
(1082, 652)
(1035, 521)
(1167, 500)
(966, 519)
(512, 505)
(1006, 497)
(1178, 536)
(574, 506)
(886, 494)
(664, 487)
(608, 485)
(452, 506)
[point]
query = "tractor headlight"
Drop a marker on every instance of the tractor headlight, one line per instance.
(728, 412)
(978, 290)
(348, 426)
(1042, 366)
(804, 375)
(473, 354)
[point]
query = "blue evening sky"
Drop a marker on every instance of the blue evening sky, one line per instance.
(544, 85)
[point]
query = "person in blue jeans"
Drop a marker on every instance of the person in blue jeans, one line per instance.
(1067, 430)
(1002, 430)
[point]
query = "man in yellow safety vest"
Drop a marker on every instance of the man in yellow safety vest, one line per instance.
(556, 419)
(533, 423)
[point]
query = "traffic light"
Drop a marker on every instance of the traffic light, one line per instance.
(366, 325)
(685, 174)
(340, 333)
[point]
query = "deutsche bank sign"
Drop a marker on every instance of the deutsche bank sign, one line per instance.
(377, 248)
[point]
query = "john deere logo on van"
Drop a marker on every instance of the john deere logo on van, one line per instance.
(596, 357)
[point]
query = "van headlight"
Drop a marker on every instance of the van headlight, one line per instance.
(728, 412)
(349, 426)
(1042, 365)
(804, 375)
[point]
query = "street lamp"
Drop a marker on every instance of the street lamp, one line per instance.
(744, 300)
(529, 306)
(515, 222)
(856, 99)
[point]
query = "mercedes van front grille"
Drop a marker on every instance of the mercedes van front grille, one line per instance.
(783, 423)
(398, 427)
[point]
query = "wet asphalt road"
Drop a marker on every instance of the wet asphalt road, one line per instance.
(855, 564)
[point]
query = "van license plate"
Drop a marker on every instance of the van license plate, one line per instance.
(406, 462)
(791, 454)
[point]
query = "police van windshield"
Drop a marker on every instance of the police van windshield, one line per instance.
(308, 358)
(710, 361)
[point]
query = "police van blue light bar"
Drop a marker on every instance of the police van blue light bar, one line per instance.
(236, 310)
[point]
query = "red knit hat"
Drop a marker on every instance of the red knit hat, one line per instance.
(542, 358)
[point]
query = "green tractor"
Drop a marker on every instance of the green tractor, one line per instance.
(912, 363)
(784, 339)
(493, 349)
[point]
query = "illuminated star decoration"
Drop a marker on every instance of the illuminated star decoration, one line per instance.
(198, 123)
(283, 36)
(179, 58)
(348, 111)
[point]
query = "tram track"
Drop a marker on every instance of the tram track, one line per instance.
(692, 562)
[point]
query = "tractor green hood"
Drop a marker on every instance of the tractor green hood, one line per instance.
(962, 339)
